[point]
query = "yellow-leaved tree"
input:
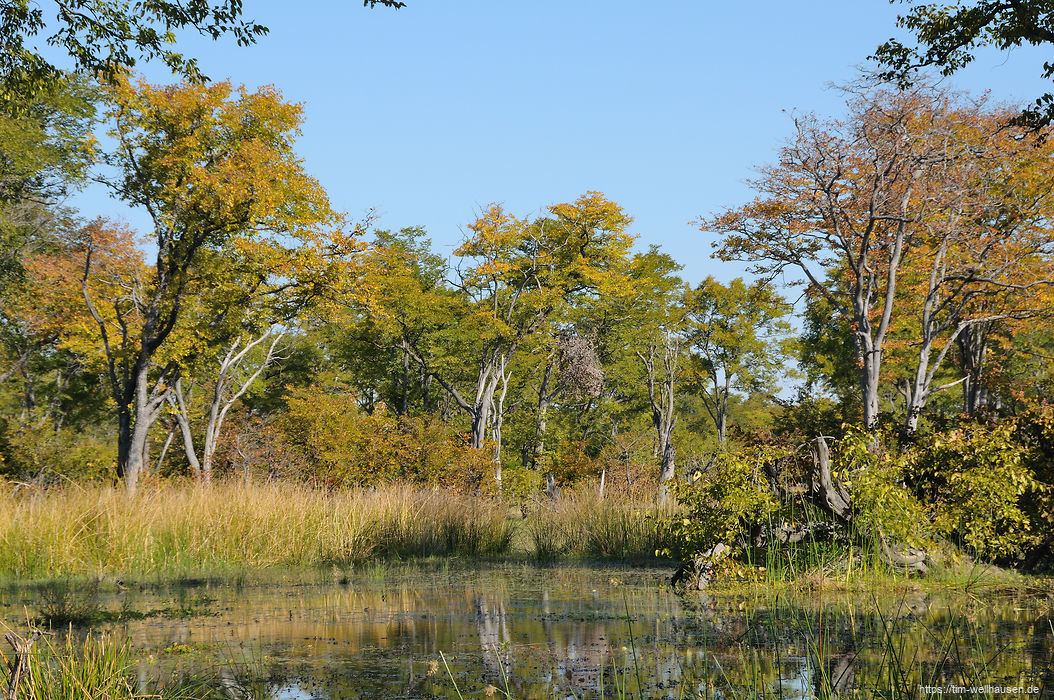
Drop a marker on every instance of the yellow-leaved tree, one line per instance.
(215, 169)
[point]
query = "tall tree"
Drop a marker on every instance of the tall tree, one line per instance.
(515, 279)
(651, 330)
(845, 205)
(215, 170)
(739, 341)
(984, 255)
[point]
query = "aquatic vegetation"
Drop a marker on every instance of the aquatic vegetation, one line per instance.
(98, 667)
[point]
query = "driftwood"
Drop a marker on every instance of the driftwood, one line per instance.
(813, 532)
(19, 665)
(911, 560)
(828, 492)
(696, 573)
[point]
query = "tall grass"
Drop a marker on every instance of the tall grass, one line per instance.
(583, 524)
(97, 667)
(170, 529)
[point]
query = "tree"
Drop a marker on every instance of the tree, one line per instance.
(845, 205)
(652, 325)
(45, 151)
(236, 370)
(738, 339)
(948, 35)
(215, 169)
(105, 38)
(520, 277)
(984, 256)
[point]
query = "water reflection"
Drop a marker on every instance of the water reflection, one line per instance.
(580, 632)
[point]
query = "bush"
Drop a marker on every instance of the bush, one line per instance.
(342, 445)
(882, 503)
(41, 453)
(974, 479)
(720, 502)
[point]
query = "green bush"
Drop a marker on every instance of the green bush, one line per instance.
(342, 445)
(39, 452)
(974, 480)
(875, 478)
(717, 504)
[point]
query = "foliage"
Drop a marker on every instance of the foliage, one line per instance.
(948, 36)
(721, 502)
(975, 482)
(343, 445)
(105, 37)
(42, 454)
(882, 505)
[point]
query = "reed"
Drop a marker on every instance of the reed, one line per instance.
(581, 523)
(97, 667)
(172, 529)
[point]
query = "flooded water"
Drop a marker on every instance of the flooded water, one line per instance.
(414, 631)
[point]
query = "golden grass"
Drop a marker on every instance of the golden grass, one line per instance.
(582, 523)
(171, 529)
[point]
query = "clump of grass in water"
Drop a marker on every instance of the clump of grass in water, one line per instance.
(64, 603)
(100, 667)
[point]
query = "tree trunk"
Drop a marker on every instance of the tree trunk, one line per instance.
(404, 402)
(146, 407)
(544, 399)
(973, 346)
(182, 419)
(668, 468)
(139, 432)
(827, 492)
(426, 391)
(124, 439)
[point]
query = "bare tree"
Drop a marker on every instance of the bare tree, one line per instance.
(235, 374)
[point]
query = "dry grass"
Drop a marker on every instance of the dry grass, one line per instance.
(171, 529)
(581, 523)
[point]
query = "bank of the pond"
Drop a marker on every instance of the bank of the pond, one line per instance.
(170, 531)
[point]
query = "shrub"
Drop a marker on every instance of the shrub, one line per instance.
(974, 480)
(341, 445)
(721, 501)
(875, 478)
(41, 453)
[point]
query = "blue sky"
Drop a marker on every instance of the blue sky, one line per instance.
(429, 113)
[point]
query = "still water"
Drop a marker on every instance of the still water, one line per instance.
(576, 631)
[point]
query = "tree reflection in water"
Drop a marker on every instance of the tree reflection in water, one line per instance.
(555, 632)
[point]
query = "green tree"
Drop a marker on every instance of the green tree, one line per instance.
(215, 169)
(105, 38)
(947, 37)
(515, 280)
(739, 340)
(652, 331)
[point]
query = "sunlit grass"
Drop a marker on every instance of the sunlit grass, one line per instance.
(96, 667)
(171, 529)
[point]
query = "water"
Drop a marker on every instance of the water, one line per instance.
(411, 631)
